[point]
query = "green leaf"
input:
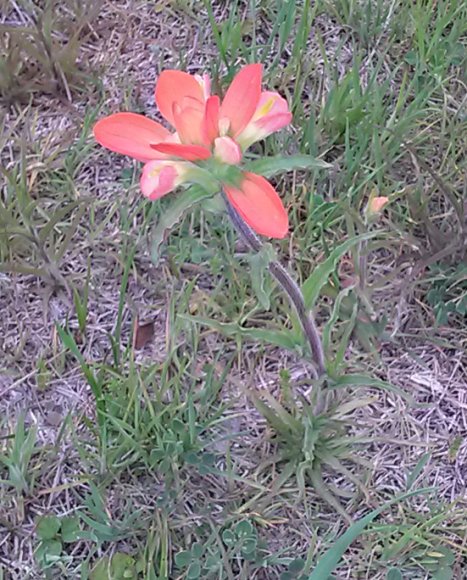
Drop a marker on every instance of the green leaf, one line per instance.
(281, 338)
(197, 550)
(48, 552)
(183, 559)
(179, 427)
(273, 418)
(297, 565)
(270, 166)
(70, 232)
(119, 567)
(454, 447)
(364, 381)
(394, 574)
(319, 277)
(70, 343)
(444, 573)
(70, 529)
(212, 562)
(215, 205)
(417, 470)
(244, 529)
(446, 556)
(331, 558)
(59, 216)
(248, 545)
(194, 571)
(47, 527)
(411, 57)
(259, 264)
(184, 201)
(228, 537)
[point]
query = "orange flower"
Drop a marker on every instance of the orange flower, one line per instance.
(205, 129)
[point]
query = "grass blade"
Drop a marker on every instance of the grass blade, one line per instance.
(315, 282)
(331, 558)
(364, 381)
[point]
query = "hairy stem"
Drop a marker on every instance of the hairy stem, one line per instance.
(290, 287)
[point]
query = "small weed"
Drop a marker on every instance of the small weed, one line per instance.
(428, 543)
(309, 445)
(17, 454)
(448, 293)
(53, 533)
(167, 471)
(120, 566)
(38, 217)
(40, 48)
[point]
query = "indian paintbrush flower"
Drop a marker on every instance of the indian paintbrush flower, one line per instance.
(209, 136)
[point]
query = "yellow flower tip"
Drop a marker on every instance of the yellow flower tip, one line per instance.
(265, 108)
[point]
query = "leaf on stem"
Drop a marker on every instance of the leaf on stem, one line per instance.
(182, 203)
(259, 264)
(270, 166)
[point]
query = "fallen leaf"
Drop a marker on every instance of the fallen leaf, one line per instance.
(143, 333)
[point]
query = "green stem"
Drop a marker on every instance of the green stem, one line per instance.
(289, 286)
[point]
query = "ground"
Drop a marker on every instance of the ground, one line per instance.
(134, 436)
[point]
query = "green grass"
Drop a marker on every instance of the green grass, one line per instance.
(198, 456)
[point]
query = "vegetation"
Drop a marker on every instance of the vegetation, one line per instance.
(156, 396)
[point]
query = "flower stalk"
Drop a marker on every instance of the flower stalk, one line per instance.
(289, 286)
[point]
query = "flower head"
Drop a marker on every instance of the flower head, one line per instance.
(206, 128)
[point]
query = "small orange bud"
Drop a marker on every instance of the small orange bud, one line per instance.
(376, 204)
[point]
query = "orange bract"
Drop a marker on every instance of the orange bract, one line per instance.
(242, 97)
(172, 87)
(130, 134)
(187, 152)
(259, 205)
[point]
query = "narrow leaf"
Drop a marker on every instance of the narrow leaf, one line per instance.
(364, 381)
(70, 232)
(70, 343)
(57, 217)
(270, 166)
(272, 418)
(394, 574)
(259, 264)
(417, 470)
(322, 490)
(173, 214)
(281, 338)
(319, 277)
